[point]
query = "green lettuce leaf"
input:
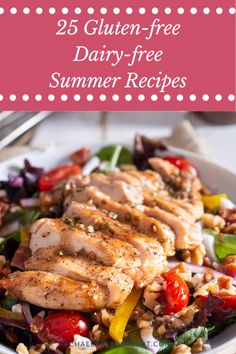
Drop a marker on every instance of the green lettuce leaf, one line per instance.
(26, 217)
(8, 301)
(190, 336)
(165, 346)
(127, 349)
(106, 153)
(224, 244)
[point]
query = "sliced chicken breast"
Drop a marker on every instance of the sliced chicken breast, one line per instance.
(81, 268)
(76, 238)
(52, 291)
(148, 182)
(128, 215)
(126, 177)
(151, 252)
(143, 181)
(193, 207)
(188, 236)
(117, 189)
(186, 180)
(149, 179)
(164, 167)
(168, 205)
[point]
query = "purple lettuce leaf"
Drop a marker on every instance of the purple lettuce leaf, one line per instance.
(31, 175)
(213, 311)
(144, 148)
(24, 184)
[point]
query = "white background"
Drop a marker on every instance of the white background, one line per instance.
(84, 128)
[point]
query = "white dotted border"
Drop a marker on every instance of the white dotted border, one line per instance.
(115, 97)
(117, 10)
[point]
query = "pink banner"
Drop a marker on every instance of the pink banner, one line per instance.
(119, 55)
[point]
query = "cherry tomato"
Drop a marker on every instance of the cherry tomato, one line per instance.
(179, 162)
(176, 294)
(60, 327)
(50, 178)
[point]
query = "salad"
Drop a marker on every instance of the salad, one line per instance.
(117, 252)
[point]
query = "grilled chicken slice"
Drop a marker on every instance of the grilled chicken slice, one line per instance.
(53, 291)
(111, 252)
(194, 208)
(151, 252)
(117, 189)
(151, 186)
(168, 205)
(164, 167)
(81, 268)
(128, 215)
(60, 190)
(185, 180)
(126, 177)
(150, 180)
(143, 181)
(188, 236)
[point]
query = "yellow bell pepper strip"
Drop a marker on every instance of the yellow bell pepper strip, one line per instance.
(24, 234)
(212, 202)
(122, 315)
(12, 319)
(9, 315)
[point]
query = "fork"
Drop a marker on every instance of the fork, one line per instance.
(15, 124)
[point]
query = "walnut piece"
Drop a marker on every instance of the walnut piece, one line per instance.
(230, 259)
(21, 349)
(214, 222)
(195, 256)
(230, 229)
(181, 349)
(198, 346)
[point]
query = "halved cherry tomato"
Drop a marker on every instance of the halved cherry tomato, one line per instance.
(176, 294)
(50, 178)
(179, 162)
(60, 327)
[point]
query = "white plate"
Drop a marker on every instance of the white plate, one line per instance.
(215, 177)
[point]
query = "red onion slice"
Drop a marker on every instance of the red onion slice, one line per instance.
(150, 342)
(29, 320)
(26, 312)
(29, 202)
(201, 269)
(9, 228)
(226, 204)
(90, 165)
